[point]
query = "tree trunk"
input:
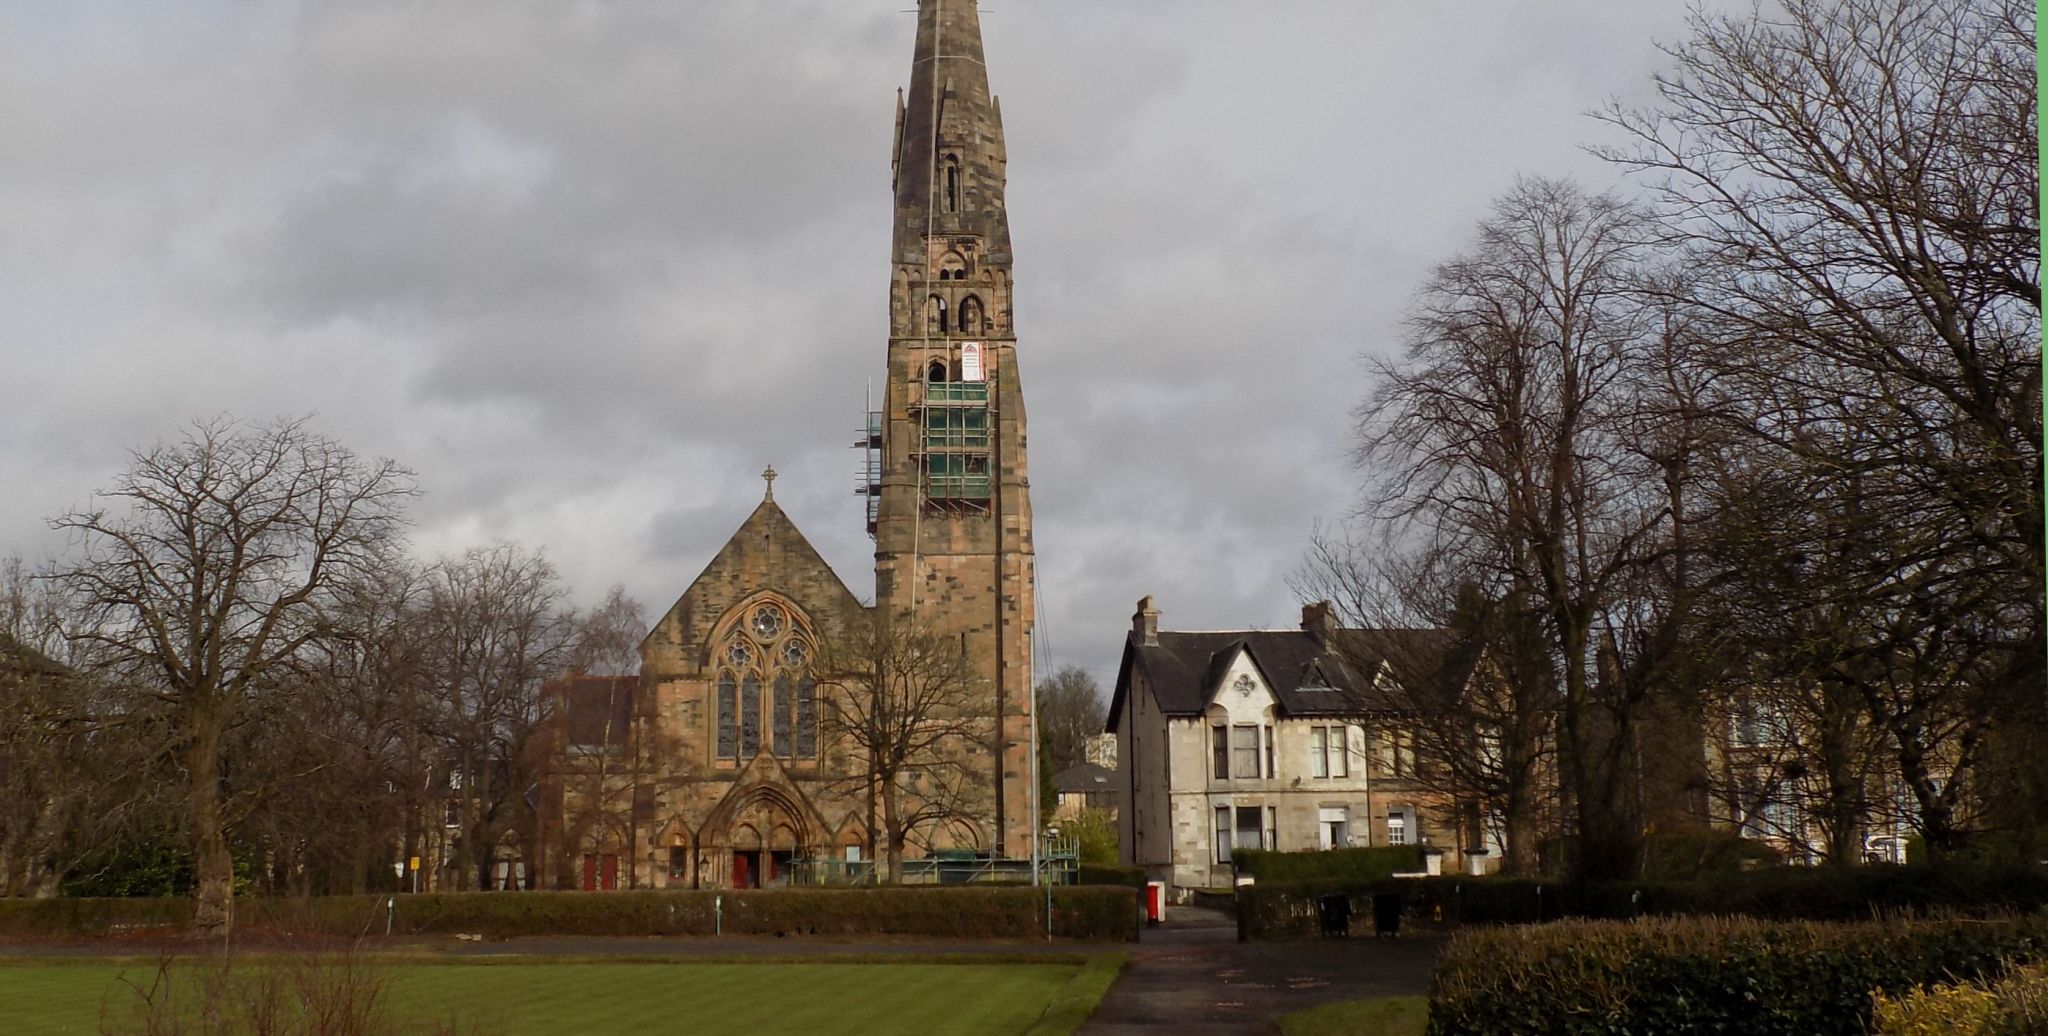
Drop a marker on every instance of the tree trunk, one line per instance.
(895, 836)
(212, 865)
(1517, 824)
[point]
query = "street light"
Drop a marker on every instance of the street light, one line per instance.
(1052, 834)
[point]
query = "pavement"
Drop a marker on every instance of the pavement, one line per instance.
(1190, 977)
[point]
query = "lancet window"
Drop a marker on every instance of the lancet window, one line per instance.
(766, 695)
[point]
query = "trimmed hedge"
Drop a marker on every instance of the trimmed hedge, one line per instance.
(1329, 864)
(1109, 874)
(1100, 913)
(1708, 975)
(1287, 909)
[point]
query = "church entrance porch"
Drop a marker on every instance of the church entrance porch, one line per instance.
(600, 872)
(758, 868)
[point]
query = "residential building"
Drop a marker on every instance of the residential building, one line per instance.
(1287, 739)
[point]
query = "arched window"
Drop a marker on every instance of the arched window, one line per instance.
(970, 315)
(935, 315)
(750, 716)
(782, 719)
(952, 266)
(728, 705)
(936, 372)
(952, 183)
(764, 666)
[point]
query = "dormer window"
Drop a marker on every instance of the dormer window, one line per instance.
(952, 189)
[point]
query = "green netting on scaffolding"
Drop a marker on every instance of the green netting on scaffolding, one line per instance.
(955, 427)
(956, 476)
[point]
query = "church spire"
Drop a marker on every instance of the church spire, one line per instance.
(949, 154)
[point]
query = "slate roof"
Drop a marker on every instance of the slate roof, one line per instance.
(1086, 778)
(21, 660)
(589, 700)
(1184, 670)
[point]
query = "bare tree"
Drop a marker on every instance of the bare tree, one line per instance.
(904, 704)
(607, 639)
(343, 759)
(1480, 701)
(1070, 712)
(1513, 440)
(216, 576)
(611, 767)
(493, 632)
(1856, 185)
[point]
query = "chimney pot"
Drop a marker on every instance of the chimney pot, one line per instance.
(1319, 621)
(1145, 624)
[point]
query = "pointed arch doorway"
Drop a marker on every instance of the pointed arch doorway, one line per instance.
(762, 832)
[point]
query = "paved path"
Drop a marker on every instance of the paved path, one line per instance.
(1191, 977)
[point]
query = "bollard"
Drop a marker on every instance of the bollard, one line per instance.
(390, 912)
(718, 915)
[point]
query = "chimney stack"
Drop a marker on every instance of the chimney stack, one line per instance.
(1319, 621)
(1145, 624)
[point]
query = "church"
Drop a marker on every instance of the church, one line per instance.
(714, 767)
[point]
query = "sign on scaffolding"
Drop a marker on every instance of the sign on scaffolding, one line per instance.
(970, 361)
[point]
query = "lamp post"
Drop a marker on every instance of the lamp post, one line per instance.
(1052, 833)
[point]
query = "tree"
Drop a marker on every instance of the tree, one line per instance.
(1070, 712)
(905, 704)
(215, 578)
(344, 759)
(1524, 436)
(1480, 701)
(1856, 185)
(493, 632)
(611, 771)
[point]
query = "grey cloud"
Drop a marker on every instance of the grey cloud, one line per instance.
(589, 267)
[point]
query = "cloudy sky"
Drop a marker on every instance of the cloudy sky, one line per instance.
(589, 265)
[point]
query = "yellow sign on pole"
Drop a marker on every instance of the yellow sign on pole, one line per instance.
(415, 863)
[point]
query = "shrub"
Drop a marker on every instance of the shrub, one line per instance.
(1351, 865)
(1702, 975)
(1109, 874)
(1092, 913)
(95, 917)
(1690, 855)
(2013, 1006)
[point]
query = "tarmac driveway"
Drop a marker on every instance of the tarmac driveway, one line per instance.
(1191, 976)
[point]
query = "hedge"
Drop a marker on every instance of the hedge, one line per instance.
(1287, 909)
(1330, 864)
(1109, 874)
(1708, 975)
(2014, 1005)
(1100, 913)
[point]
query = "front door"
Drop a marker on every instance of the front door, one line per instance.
(745, 867)
(610, 872)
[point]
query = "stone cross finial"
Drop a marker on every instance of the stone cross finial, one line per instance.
(768, 476)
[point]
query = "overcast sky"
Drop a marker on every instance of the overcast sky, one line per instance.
(589, 266)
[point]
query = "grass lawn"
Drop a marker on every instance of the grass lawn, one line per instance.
(1383, 1016)
(582, 996)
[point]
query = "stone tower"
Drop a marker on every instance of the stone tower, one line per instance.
(952, 522)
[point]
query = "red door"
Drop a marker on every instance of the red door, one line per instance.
(589, 872)
(610, 874)
(742, 875)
